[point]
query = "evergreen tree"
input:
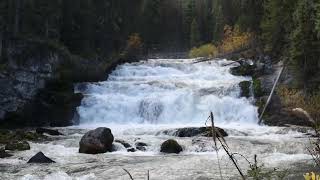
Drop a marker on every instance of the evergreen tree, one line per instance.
(304, 44)
(218, 20)
(194, 34)
(277, 25)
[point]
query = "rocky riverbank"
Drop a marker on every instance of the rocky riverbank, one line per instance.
(264, 72)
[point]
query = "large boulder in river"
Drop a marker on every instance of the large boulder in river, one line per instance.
(40, 158)
(171, 146)
(17, 146)
(194, 131)
(96, 141)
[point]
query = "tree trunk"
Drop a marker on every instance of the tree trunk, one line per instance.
(1, 39)
(17, 15)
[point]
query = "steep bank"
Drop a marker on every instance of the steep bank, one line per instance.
(264, 71)
(36, 82)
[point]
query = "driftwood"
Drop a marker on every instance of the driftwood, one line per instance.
(270, 96)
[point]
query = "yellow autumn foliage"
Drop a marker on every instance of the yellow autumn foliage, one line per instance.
(311, 176)
(234, 39)
(134, 41)
(207, 50)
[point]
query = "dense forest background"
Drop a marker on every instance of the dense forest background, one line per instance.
(284, 29)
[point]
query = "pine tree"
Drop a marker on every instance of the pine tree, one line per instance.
(218, 20)
(304, 43)
(194, 34)
(277, 25)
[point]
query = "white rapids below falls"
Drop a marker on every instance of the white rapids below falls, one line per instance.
(141, 99)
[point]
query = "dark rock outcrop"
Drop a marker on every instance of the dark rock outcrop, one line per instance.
(17, 146)
(36, 82)
(171, 146)
(194, 131)
(96, 141)
(51, 132)
(40, 158)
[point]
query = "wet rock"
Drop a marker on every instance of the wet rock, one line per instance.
(194, 131)
(245, 88)
(48, 131)
(131, 149)
(141, 146)
(4, 154)
(123, 142)
(96, 141)
(40, 158)
(17, 146)
(245, 69)
(7, 136)
(171, 146)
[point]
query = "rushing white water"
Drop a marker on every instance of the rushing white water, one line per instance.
(138, 102)
(167, 91)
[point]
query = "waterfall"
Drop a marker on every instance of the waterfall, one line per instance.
(167, 91)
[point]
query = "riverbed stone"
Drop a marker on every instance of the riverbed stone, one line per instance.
(195, 131)
(96, 141)
(40, 158)
(171, 146)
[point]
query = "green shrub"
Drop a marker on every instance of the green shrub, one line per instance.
(207, 50)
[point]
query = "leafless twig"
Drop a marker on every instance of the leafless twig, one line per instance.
(128, 174)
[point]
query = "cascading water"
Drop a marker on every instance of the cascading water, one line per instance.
(167, 91)
(139, 102)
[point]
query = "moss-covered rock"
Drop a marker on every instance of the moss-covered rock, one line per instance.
(7, 136)
(243, 70)
(171, 146)
(257, 88)
(245, 88)
(17, 146)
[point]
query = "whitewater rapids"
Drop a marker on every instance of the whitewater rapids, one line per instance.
(141, 100)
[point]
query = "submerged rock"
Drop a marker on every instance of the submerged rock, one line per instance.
(171, 146)
(123, 142)
(96, 141)
(126, 145)
(40, 158)
(141, 146)
(48, 131)
(17, 146)
(194, 131)
(4, 154)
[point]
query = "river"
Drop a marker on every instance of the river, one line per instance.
(139, 101)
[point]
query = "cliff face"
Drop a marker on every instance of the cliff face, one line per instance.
(36, 84)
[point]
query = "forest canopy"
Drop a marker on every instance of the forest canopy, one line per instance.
(285, 29)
